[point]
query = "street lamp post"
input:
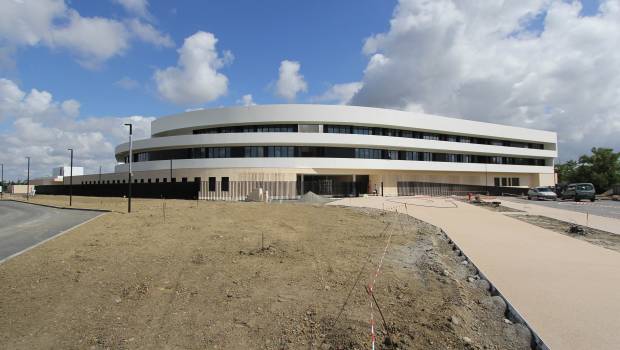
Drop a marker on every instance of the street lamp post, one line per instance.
(28, 181)
(2, 183)
(130, 160)
(71, 179)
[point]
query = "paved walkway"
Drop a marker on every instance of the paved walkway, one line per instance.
(584, 219)
(566, 289)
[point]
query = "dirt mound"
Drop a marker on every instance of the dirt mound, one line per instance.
(311, 197)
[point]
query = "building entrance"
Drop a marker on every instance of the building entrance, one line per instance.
(333, 185)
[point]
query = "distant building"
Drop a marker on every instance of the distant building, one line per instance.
(58, 175)
(332, 150)
(66, 171)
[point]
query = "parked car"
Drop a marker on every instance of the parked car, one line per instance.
(579, 191)
(541, 193)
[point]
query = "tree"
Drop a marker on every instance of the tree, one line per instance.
(566, 172)
(601, 168)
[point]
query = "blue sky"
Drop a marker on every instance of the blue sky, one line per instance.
(72, 72)
(325, 36)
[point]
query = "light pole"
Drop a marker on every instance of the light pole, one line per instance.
(2, 183)
(130, 160)
(28, 181)
(71, 178)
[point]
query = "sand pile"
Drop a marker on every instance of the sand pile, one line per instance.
(311, 197)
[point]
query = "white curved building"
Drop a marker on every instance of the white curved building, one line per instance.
(338, 150)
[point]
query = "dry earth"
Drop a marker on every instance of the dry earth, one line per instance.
(601, 238)
(597, 237)
(246, 275)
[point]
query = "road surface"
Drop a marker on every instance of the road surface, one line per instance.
(24, 225)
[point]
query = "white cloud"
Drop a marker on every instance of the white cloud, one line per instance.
(486, 61)
(290, 81)
(43, 129)
(246, 100)
(149, 34)
(195, 79)
(127, 83)
(340, 93)
(92, 40)
(139, 8)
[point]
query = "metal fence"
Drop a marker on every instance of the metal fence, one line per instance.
(239, 190)
(414, 188)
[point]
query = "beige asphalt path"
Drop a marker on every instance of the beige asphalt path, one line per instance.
(566, 289)
(594, 221)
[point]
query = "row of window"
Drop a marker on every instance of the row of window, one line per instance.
(248, 128)
(506, 181)
(364, 130)
(326, 152)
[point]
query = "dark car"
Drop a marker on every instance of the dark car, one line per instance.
(579, 191)
(541, 193)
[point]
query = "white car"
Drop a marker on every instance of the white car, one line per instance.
(540, 193)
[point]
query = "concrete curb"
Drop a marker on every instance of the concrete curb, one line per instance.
(537, 342)
(48, 239)
(58, 207)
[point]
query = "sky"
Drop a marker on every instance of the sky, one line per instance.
(72, 72)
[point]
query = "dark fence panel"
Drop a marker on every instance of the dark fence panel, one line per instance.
(177, 190)
(414, 188)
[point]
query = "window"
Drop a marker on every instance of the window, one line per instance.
(165, 179)
(149, 181)
(174, 179)
(452, 158)
(253, 151)
(431, 137)
(143, 157)
(515, 181)
(360, 130)
(392, 155)
(211, 184)
(504, 181)
(409, 155)
(280, 151)
(496, 182)
(225, 184)
(197, 179)
(427, 156)
(199, 152)
(141, 181)
(156, 180)
(368, 153)
(219, 152)
(496, 160)
(183, 179)
(337, 129)
(123, 181)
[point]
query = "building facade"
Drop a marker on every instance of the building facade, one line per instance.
(332, 150)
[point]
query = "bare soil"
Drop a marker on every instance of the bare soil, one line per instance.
(601, 238)
(246, 275)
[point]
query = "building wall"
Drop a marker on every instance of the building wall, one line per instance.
(19, 189)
